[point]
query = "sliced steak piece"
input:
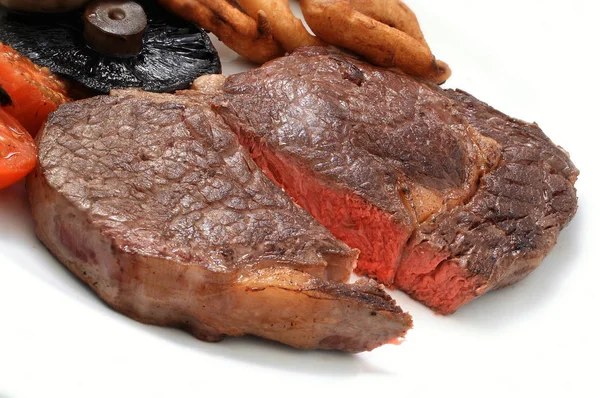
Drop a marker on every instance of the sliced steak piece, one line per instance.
(445, 197)
(151, 201)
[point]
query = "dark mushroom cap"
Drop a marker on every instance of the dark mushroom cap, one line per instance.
(174, 52)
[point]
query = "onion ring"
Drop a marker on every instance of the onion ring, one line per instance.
(393, 13)
(287, 29)
(251, 38)
(385, 32)
(339, 23)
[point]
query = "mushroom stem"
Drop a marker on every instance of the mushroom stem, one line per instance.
(115, 27)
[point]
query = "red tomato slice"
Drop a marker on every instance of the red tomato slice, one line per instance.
(18, 153)
(34, 91)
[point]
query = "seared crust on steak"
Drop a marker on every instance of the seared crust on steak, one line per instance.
(151, 201)
(513, 220)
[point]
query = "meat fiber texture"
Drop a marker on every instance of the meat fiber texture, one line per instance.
(151, 201)
(445, 197)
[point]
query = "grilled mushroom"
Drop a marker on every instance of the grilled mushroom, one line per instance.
(114, 44)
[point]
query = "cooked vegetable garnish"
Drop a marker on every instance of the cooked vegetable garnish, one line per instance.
(166, 55)
(33, 92)
(18, 154)
(250, 36)
(287, 29)
(384, 32)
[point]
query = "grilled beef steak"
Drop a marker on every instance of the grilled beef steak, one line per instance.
(445, 197)
(151, 201)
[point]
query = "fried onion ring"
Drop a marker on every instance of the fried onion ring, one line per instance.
(385, 32)
(251, 38)
(287, 29)
(393, 13)
(339, 23)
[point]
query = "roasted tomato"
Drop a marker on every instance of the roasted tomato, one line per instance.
(18, 153)
(34, 91)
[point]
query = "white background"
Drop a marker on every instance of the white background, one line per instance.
(536, 60)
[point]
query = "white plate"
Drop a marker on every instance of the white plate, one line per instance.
(534, 60)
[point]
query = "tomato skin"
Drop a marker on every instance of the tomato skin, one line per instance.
(34, 91)
(18, 153)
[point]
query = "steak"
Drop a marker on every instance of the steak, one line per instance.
(445, 197)
(152, 202)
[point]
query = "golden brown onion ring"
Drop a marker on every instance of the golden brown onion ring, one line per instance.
(246, 36)
(393, 13)
(339, 23)
(287, 29)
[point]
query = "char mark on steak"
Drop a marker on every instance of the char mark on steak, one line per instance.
(445, 197)
(151, 201)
